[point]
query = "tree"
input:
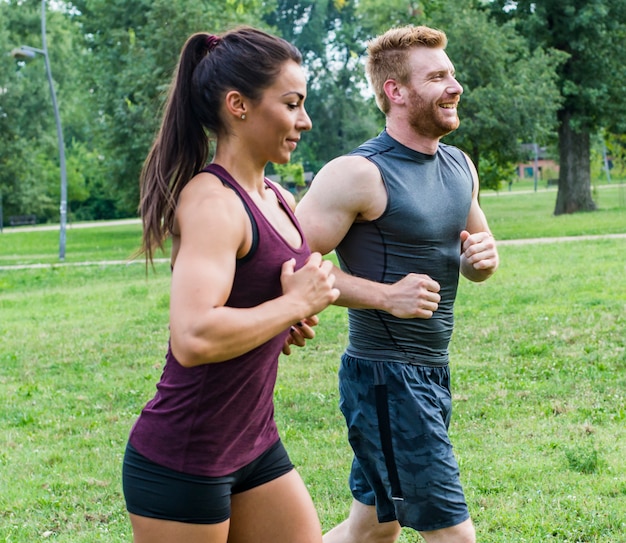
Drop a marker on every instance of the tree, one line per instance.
(133, 49)
(510, 94)
(331, 38)
(29, 153)
(591, 81)
(21, 98)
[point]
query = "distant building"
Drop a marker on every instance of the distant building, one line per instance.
(546, 168)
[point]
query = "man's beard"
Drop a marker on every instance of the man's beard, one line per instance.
(425, 120)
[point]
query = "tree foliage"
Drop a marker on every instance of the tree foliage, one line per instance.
(112, 62)
(329, 35)
(510, 93)
(591, 81)
(26, 121)
(134, 47)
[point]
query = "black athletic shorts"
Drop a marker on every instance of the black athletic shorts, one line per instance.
(154, 491)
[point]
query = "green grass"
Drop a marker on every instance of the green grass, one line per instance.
(83, 245)
(539, 378)
(540, 423)
(515, 215)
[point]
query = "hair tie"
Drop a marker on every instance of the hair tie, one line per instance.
(211, 42)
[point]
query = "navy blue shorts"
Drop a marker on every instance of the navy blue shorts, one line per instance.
(154, 491)
(398, 417)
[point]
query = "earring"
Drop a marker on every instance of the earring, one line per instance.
(243, 116)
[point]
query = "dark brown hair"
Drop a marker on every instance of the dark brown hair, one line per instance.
(246, 60)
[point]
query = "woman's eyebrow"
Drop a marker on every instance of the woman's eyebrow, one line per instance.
(301, 96)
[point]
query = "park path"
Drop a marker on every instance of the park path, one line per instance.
(70, 226)
(95, 224)
(561, 239)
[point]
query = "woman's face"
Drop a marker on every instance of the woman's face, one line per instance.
(275, 122)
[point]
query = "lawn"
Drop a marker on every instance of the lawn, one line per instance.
(538, 362)
(529, 214)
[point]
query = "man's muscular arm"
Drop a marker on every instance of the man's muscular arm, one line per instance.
(346, 190)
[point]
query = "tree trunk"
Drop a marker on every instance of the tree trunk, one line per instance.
(574, 192)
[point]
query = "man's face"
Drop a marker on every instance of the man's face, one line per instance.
(433, 93)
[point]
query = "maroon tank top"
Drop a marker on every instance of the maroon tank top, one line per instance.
(215, 418)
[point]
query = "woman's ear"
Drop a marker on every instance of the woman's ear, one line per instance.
(236, 104)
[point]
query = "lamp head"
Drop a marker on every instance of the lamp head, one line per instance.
(24, 53)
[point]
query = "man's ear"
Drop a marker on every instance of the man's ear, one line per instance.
(394, 91)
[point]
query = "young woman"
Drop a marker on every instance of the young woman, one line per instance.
(204, 462)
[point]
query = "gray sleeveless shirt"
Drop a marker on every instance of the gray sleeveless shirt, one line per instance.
(428, 201)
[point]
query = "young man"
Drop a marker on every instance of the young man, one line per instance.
(402, 213)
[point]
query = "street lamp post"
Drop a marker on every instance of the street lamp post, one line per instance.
(25, 53)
